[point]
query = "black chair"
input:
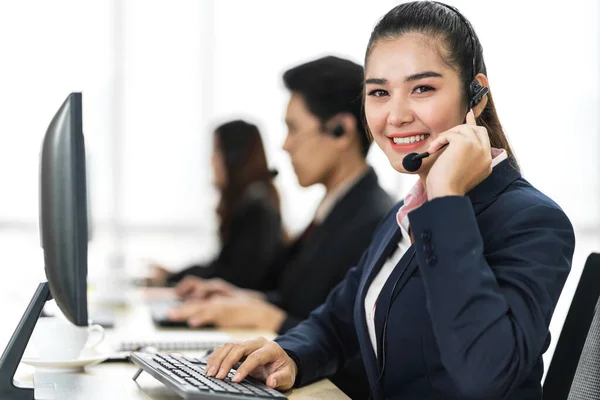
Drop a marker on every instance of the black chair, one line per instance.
(574, 372)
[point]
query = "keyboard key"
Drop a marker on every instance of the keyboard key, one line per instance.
(194, 360)
(172, 376)
(253, 388)
(196, 383)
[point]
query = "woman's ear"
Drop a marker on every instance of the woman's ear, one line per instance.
(483, 81)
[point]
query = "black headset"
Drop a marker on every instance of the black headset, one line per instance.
(476, 90)
(476, 94)
(338, 130)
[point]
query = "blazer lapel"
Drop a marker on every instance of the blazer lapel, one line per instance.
(389, 241)
(384, 251)
(398, 278)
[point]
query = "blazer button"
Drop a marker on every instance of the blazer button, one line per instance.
(428, 247)
(426, 236)
(431, 260)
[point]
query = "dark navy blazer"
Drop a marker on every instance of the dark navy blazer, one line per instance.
(471, 303)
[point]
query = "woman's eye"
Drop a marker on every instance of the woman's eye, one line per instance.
(422, 89)
(377, 93)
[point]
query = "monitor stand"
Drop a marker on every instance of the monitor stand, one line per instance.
(18, 343)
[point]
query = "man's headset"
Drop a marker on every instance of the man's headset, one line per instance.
(476, 94)
(338, 130)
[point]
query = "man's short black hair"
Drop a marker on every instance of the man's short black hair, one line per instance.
(330, 85)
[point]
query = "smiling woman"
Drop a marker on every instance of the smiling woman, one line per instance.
(425, 83)
(460, 281)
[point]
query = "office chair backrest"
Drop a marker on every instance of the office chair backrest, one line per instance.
(574, 372)
(586, 384)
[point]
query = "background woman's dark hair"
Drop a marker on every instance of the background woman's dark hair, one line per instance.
(243, 154)
(442, 24)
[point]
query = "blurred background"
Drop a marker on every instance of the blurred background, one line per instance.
(157, 76)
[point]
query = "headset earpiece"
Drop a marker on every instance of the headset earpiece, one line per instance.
(338, 131)
(476, 92)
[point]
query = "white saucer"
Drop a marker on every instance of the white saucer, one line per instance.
(88, 359)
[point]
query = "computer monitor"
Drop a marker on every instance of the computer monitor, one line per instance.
(64, 237)
(63, 210)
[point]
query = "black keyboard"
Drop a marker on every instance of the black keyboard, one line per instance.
(186, 376)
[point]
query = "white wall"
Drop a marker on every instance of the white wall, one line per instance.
(158, 75)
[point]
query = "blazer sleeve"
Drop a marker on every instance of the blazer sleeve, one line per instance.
(288, 323)
(248, 253)
(324, 342)
(491, 310)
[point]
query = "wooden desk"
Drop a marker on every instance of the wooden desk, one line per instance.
(114, 380)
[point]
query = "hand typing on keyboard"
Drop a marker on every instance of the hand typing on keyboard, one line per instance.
(262, 359)
(229, 312)
(198, 288)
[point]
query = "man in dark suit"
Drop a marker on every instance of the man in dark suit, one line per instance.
(328, 145)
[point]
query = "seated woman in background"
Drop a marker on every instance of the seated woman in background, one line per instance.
(250, 228)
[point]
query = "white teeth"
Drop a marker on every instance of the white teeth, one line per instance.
(409, 139)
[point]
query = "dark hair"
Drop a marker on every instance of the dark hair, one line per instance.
(331, 85)
(442, 22)
(245, 162)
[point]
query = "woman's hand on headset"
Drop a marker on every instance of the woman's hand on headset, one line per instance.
(466, 161)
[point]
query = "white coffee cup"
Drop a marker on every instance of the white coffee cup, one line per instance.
(56, 339)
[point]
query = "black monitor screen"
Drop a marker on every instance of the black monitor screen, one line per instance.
(63, 210)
